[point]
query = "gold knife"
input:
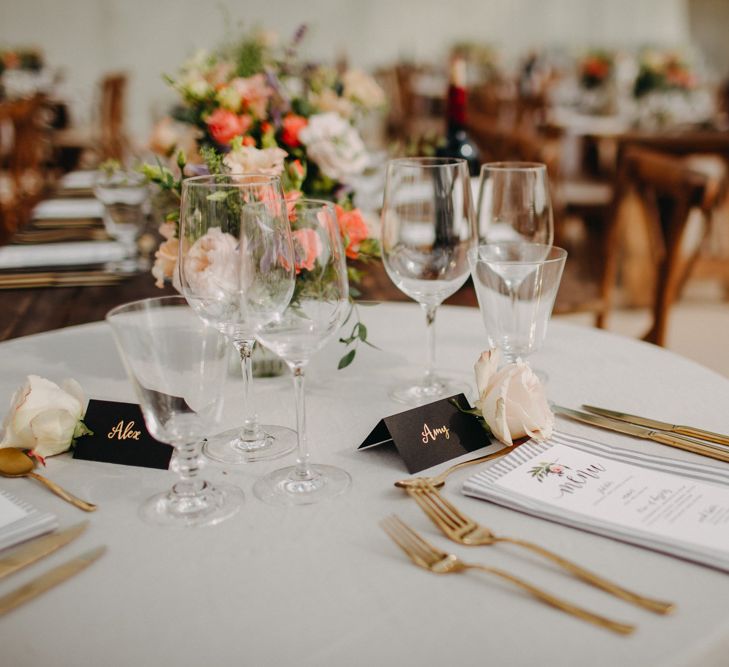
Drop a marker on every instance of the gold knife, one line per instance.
(36, 549)
(690, 431)
(48, 580)
(705, 449)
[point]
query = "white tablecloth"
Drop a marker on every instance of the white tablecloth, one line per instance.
(323, 585)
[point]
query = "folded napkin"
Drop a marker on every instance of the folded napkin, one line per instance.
(60, 254)
(79, 180)
(68, 208)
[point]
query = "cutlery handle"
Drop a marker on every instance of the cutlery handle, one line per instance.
(690, 446)
(62, 493)
(557, 603)
(702, 435)
(596, 580)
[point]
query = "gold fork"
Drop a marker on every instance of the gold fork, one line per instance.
(462, 529)
(425, 555)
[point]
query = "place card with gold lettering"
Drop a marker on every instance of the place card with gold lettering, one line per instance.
(430, 434)
(120, 436)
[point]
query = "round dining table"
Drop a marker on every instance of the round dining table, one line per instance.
(320, 585)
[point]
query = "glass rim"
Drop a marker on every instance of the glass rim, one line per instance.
(556, 254)
(427, 162)
(138, 303)
(252, 178)
(516, 165)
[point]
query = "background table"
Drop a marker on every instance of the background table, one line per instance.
(323, 585)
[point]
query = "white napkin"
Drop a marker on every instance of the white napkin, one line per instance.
(56, 209)
(79, 180)
(60, 254)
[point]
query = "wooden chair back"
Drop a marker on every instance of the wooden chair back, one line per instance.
(112, 110)
(668, 191)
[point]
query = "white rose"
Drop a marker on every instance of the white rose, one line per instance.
(45, 417)
(334, 145)
(512, 400)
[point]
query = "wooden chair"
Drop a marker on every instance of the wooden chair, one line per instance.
(668, 191)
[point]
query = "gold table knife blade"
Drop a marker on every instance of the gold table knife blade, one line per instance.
(704, 449)
(48, 580)
(681, 429)
(28, 553)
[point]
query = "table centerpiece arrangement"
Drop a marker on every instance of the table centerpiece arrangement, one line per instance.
(253, 106)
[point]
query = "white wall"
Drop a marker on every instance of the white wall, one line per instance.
(149, 37)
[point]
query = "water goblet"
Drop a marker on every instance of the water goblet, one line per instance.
(312, 319)
(514, 203)
(516, 285)
(124, 195)
(217, 221)
(177, 364)
(427, 229)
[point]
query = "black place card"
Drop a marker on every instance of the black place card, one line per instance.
(120, 436)
(430, 434)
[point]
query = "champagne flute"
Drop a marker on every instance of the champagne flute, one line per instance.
(514, 203)
(177, 365)
(312, 319)
(219, 216)
(427, 229)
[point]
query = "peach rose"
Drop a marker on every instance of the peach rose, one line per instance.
(251, 160)
(353, 229)
(165, 261)
(211, 264)
(254, 93)
(512, 400)
(224, 125)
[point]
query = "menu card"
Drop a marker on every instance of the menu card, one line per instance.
(19, 520)
(663, 504)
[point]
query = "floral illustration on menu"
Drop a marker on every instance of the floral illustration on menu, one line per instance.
(544, 470)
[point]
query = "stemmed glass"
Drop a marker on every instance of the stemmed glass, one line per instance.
(177, 365)
(220, 216)
(427, 229)
(516, 284)
(314, 316)
(514, 203)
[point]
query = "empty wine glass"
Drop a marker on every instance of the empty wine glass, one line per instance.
(177, 366)
(516, 284)
(124, 195)
(427, 229)
(312, 319)
(223, 220)
(514, 203)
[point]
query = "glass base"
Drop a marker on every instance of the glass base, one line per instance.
(285, 487)
(212, 505)
(419, 393)
(232, 447)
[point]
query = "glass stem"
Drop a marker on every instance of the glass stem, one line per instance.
(251, 429)
(303, 471)
(186, 464)
(430, 311)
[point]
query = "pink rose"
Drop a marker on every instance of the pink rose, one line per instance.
(307, 247)
(211, 265)
(224, 125)
(254, 92)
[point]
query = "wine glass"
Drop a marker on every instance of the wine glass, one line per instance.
(514, 203)
(124, 195)
(427, 229)
(218, 220)
(177, 365)
(516, 285)
(312, 319)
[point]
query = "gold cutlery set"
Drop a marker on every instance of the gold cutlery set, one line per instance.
(32, 551)
(463, 530)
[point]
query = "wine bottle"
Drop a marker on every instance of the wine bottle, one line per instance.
(458, 142)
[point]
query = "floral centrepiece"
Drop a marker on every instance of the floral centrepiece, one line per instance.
(44, 417)
(511, 399)
(254, 107)
(595, 69)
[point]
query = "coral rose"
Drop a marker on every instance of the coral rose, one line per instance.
(353, 229)
(292, 125)
(307, 247)
(224, 125)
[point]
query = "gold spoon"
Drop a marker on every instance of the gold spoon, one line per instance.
(15, 462)
(439, 480)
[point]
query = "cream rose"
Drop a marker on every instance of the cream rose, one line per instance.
(44, 417)
(252, 160)
(334, 145)
(512, 400)
(360, 87)
(211, 265)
